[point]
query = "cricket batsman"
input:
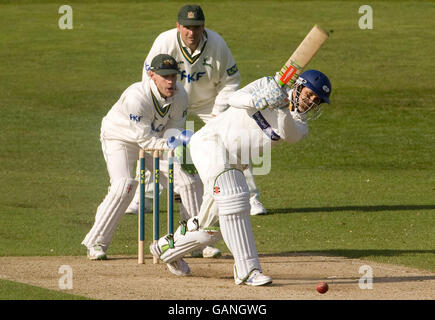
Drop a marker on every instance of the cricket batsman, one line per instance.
(264, 114)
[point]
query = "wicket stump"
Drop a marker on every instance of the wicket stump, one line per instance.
(156, 198)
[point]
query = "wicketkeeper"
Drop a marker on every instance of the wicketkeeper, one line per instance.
(264, 114)
(147, 114)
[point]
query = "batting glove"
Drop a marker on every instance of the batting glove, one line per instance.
(271, 95)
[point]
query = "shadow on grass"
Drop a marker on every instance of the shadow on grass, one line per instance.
(351, 208)
(355, 254)
(354, 280)
(351, 253)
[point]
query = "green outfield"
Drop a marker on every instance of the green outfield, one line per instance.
(362, 184)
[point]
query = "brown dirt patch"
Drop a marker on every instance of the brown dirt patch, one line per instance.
(294, 278)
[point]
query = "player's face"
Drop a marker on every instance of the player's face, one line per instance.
(191, 35)
(307, 100)
(165, 84)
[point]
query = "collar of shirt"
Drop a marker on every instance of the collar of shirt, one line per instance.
(198, 48)
(164, 102)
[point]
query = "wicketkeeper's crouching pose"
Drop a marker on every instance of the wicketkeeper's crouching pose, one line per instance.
(261, 115)
(147, 115)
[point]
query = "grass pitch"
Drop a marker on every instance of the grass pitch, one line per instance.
(361, 185)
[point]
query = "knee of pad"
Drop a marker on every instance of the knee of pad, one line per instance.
(231, 192)
(124, 188)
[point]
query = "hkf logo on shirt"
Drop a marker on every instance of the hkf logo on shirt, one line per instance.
(135, 118)
(191, 77)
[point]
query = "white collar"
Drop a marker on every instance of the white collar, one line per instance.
(164, 102)
(198, 48)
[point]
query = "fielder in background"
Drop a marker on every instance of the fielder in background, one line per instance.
(145, 116)
(261, 114)
(209, 74)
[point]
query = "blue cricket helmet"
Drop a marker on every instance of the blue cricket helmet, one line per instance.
(318, 82)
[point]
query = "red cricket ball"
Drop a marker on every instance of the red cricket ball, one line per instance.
(322, 287)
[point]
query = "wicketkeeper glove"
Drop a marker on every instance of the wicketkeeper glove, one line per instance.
(182, 138)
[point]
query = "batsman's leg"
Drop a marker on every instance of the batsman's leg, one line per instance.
(231, 194)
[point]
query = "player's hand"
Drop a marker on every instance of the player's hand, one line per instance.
(276, 96)
(271, 95)
(183, 138)
(260, 102)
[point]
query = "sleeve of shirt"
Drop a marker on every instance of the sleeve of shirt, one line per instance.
(242, 98)
(291, 128)
(229, 80)
(159, 46)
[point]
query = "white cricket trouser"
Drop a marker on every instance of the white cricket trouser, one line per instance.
(226, 200)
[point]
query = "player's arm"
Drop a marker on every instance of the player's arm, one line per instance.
(140, 119)
(260, 94)
(291, 128)
(159, 46)
(229, 79)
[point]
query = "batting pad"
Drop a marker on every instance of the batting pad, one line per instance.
(190, 189)
(231, 193)
(110, 212)
(191, 197)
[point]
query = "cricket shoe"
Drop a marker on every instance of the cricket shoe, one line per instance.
(257, 207)
(179, 268)
(96, 253)
(207, 252)
(255, 278)
(133, 208)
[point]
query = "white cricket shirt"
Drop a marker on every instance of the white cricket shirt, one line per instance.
(209, 75)
(143, 116)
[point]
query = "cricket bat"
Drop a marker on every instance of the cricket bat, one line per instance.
(302, 56)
